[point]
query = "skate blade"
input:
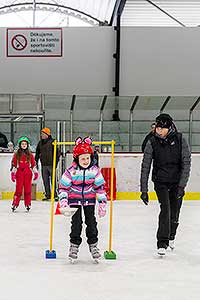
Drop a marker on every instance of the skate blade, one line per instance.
(96, 260)
(160, 255)
(72, 260)
(171, 248)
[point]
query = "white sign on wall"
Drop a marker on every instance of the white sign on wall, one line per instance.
(31, 42)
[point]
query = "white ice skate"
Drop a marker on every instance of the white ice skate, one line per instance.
(96, 255)
(73, 252)
(161, 252)
(172, 244)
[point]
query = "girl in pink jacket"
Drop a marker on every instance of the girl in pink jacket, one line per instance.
(81, 185)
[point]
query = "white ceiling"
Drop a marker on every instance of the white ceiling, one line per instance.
(143, 13)
(136, 12)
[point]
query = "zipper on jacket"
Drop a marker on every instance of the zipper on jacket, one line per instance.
(83, 186)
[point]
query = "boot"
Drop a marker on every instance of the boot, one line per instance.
(73, 251)
(94, 251)
(14, 208)
(28, 208)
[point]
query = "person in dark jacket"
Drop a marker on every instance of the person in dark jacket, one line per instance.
(148, 136)
(96, 156)
(3, 140)
(44, 152)
(171, 157)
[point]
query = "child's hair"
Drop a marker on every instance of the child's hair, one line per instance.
(27, 152)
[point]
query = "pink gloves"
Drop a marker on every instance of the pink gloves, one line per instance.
(35, 176)
(102, 209)
(13, 176)
(63, 203)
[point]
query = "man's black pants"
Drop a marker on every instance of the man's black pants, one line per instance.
(169, 213)
(91, 225)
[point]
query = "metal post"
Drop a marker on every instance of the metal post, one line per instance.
(34, 11)
(64, 146)
(42, 97)
(71, 116)
(131, 123)
(11, 123)
(191, 120)
(119, 6)
(165, 104)
(58, 138)
(190, 128)
(101, 120)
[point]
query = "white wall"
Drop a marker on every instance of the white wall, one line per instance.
(127, 172)
(154, 61)
(160, 61)
(86, 68)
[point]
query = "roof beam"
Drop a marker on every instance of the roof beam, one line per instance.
(118, 9)
(22, 4)
(166, 13)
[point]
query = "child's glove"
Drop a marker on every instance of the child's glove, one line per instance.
(63, 203)
(13, 176)
(65, 209)
(102, 209)
(35, 176)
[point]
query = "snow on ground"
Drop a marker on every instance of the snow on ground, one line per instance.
(137, 273)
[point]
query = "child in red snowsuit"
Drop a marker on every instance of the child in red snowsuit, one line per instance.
(23, 163)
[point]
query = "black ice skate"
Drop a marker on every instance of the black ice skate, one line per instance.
(14, 208)
(28, 208)
(73, 252)
(96, 255)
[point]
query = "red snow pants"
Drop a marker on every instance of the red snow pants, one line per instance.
(23, 180)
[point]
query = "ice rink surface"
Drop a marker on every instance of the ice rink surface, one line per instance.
(137, 273)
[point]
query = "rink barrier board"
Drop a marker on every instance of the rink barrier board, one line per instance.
(9, 195)
(119, 196)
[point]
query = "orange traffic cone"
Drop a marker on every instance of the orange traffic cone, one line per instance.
(57, 212)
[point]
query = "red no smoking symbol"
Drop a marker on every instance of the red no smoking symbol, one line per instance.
(19, 42)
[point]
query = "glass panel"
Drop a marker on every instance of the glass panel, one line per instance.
(118, 131)
(83, 129)
(57, 107)
(180, 103)
(150, 103)
(87, 108)
(31, 129)
(27, 104)
(4, 103)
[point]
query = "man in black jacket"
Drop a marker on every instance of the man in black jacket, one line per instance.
(171, 158)
(44, 152)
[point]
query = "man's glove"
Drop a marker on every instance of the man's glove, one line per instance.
(180, 192)
(145, 197)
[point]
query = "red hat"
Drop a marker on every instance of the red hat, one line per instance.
(82, 146)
